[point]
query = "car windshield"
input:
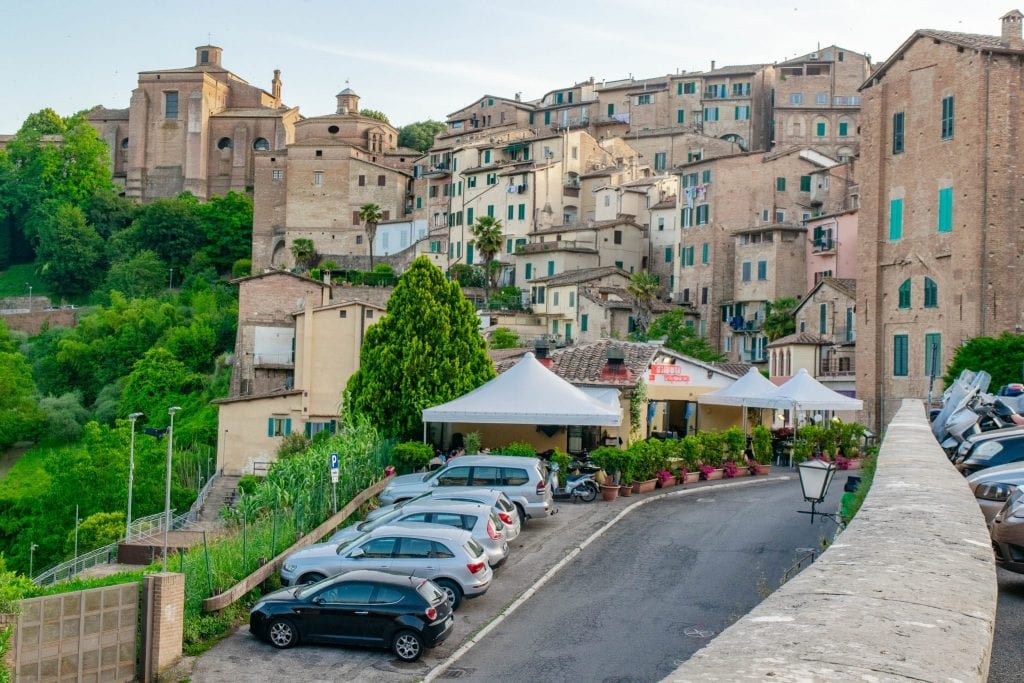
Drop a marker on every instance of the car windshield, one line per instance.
(345, 547)
(312, 588)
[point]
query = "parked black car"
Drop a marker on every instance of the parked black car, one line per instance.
(402, 613)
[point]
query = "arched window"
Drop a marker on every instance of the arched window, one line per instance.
(261, 145)
(931, 293)
(905, 294)
(225, 143)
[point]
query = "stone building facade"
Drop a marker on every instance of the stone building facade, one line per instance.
(196, 129)
(940, 219)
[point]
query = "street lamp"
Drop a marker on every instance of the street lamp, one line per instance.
(31, 553)
(131, 474)
(815, 477)
(167, 491)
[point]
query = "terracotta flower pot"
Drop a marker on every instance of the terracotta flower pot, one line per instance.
(609, 492)
(626, 491)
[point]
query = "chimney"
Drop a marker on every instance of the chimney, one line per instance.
(275, 86)
(540, 352)
(712, 65)
(1012, 28)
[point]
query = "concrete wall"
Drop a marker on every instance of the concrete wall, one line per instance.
(907, 592)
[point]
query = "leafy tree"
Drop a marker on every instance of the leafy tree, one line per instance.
(425, 351)
(171, 228)
(643, 288)
(374, 114)
(504, 338)
(679, 336)
(779, 320)
(141, 275)
(71, 252)
(420, 135)
(226, 226)
(303, 252)
(1002, 357)
(487, 237)
(371, 215)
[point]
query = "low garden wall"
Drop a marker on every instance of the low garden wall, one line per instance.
(907, 592)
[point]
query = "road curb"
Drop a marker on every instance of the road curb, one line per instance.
(436, 672)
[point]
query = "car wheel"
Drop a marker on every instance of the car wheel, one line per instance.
(407, 646)
(522, 514)
(451, 591)
(311, 577)
(282, 634)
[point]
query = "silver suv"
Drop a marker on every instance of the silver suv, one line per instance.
(499, 502)
(447, 556)
(523, 480)
(478, 519)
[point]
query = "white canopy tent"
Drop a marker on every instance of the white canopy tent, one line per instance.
(527, 393)
(803, 392)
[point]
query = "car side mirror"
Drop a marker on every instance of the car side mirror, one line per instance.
(357, 553)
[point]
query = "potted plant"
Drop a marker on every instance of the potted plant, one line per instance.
(761, 444)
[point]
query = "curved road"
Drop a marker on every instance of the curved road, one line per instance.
(654, 589)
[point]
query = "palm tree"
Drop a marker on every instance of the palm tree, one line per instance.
(778, 320)
(371, 215)
(487, 237)
(643, 287)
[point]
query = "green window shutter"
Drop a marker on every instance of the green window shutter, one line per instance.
(895, 219)
(522, 212)
(270, 426)
(287, 426)
(904, 294)
(805, 183)
(469, 216)
(820, 129)
(529, 271)
(704, 253)
(780, 184)
(844, 129)
(932, 354)
(680, 115)
(583, 323)
(668, 254)
(611, 110)
(946, 209)
(551, 267)
(899, 355)
(931, 293)
(511, 211)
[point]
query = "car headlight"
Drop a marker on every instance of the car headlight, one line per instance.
(290, 566)
(986, 451)
(997, 492)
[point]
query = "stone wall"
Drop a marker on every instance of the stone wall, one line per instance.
(907, 592)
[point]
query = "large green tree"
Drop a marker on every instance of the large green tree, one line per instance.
(679, 336)
(425, 351)
(1002, 357)
(69, 250)
(420, 135)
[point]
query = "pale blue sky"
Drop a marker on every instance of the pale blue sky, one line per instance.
(418, 60)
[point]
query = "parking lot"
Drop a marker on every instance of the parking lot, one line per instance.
(543, 543)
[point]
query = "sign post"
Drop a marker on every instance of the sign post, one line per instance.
(334, 480)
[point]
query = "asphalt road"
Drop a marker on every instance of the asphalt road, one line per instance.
(1008, 641)
(654, 589)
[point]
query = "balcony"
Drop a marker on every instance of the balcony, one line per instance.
(273, 360)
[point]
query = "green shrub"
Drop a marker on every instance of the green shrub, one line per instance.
(519, 448)
(411, 456)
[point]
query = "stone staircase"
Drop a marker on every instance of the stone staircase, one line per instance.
(223, 493)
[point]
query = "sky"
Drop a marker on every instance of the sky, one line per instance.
(420, 60)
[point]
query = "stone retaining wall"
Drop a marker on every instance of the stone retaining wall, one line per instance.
(907, 592)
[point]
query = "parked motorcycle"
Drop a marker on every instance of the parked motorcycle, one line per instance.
(579, 485)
